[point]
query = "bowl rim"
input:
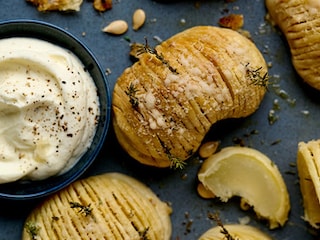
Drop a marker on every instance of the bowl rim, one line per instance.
(52, 35)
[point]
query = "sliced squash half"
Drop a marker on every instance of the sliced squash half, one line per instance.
(250, 175)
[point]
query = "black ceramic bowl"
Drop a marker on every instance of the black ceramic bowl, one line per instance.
(21, 190)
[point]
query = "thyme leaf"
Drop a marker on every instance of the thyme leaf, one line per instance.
(254, 75)
(143, 234)
(145, 48)
(175, 163)
(32, 229)
(131, 93)
(86, 210)
(223, 230)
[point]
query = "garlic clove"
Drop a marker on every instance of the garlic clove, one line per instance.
(208, 148)
(138, 19)
(116, 27)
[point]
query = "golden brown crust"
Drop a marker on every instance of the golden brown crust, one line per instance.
(57, 5)
(299, 20)
(194, 79)
(121, 208)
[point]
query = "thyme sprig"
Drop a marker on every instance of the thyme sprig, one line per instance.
(143, 234)
(145, 48)
(131, 93)
(32, 229)
(256, 78)
(223, 230)
(175, 163)
(86, 210)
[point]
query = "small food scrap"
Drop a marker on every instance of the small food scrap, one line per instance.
(244, 220)
(56, 5)
(233, 21)
(283, 94)
(102, 5)
(272, 116)
(157, 39)
(275, 142)
(116, 27)
(242, 140)
(138, 19)
(250, 175)
(308, 164)
(188, 223)
(305, 113)
(108, 71)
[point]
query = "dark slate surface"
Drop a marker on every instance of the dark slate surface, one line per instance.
(164, 19)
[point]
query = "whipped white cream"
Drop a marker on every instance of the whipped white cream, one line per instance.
(49, 109)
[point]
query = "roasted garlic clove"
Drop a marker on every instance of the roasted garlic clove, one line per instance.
(208, 148)
(138, 19)
(116, 27)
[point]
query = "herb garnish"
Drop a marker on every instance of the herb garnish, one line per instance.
(143, 234)
(86, 210)
(131, 93)
(224, 231)
(145, 48)
(175, 163)
(32, 229)
(256, 78)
